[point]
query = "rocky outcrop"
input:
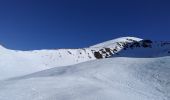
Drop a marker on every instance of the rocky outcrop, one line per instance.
(106, 52)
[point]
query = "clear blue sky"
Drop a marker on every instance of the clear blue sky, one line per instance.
(47, 24)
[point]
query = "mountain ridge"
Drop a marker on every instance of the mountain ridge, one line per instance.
(36, 60)
(136, 69)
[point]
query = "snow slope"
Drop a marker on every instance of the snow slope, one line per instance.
(132, 47)
(114, 41)
(118, 78)
(15, 63)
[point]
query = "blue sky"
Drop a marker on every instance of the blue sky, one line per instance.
(47, 24)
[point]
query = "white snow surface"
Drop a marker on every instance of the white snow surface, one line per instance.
(15, 63)
(117, 78)
(135, 73)
(113, 42)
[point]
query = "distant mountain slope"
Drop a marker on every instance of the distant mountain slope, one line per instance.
(119, 78)
(114, 41)
(132, 47)
(24, 62)
(15, 63)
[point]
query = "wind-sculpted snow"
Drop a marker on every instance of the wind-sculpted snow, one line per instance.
(118, 78)
(15, 63)
(136, 69)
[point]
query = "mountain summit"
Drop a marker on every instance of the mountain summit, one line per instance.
(136, 69)
(132, 47)
(25, 62)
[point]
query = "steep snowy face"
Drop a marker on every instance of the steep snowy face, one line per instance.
(15, 62)
(52, 75)
(113, 42)
(52, 58)
(112, 47)
(131, 47)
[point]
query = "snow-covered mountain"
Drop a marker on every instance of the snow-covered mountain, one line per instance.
(15, 62)
(132, 47)
(135, 69)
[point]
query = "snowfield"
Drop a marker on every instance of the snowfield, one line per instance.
(108, 79)
(126, 68)
(14, 63)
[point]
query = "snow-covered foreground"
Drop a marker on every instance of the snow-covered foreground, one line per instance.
(118, 78)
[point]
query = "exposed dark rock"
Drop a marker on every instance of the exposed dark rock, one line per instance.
(119, 44)
(69, 52)
(131, 46)
(114, 49)
(89, 56)
(131, 40)
(125, 46)
(98, 55)
(107, 56)
(108, 50)
(103, 51)
(146, 43)
(136, 44)
(93, 50)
